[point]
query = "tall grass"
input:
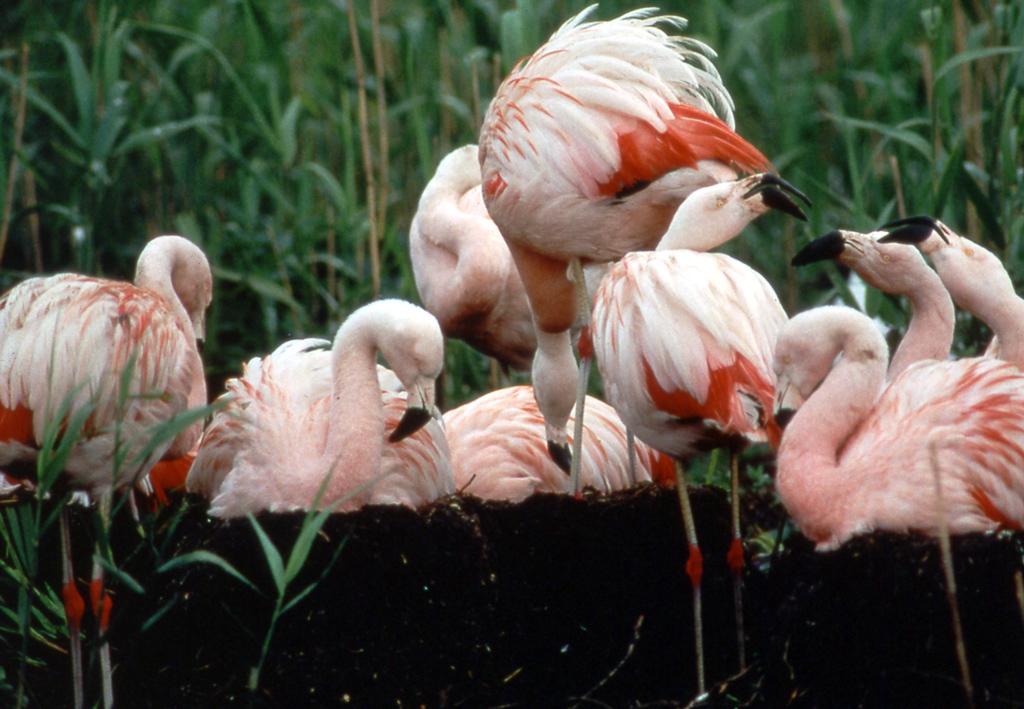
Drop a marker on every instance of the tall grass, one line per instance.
(291, 140)
(238, 124)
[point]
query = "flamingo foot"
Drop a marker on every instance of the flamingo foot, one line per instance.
(695, 566)
(735, 557)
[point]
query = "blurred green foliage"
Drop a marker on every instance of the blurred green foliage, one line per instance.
(237, 123)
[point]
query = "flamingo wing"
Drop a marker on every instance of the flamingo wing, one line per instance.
(499, 449)
(605, 108)
(971, 413)
(687, 336)
(87, 342)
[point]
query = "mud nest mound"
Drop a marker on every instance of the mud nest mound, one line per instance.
(553, 602)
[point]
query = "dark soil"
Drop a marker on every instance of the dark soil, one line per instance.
(553, 602)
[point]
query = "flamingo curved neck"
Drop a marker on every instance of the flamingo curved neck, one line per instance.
(155, 272)
(810, 479)
(1006, 319)
(930, 332)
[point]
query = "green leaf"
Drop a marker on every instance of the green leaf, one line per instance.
(272, 555)
(81, 84)
(120, 575)
(261, 285)
(288, 129)
(163, 132)
(899, 134)
(973, 55)
(202, 556)
(311, 526)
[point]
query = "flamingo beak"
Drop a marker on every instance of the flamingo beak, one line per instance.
(775, 193)
(824, 248)
(561, 455)
(418, 412)
(414, 418)
(199, 325)
(913, 230)
(787, 401)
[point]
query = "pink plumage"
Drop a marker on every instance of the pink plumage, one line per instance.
(586, 151)
(463, 269)
(499, 451)
(857, 457)
(307, 417)
(71, 338)
(683, 338)
(684, 342)
(975, 278)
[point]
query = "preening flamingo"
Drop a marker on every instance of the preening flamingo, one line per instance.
(123, 356)
(897, 269)
(857, 458)
(463, 269)
(684, 339)
(586, 151)
(974, 277)
(499, 452)
(289, 422)
(416, 468)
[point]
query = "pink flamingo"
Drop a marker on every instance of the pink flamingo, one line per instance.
(684, 343)
(294, 432)
(586, 151)
(974, 277)
(463, 269)
(857, 458)
(897, 269)
(414, 468)
(499, 452)
(120, 359)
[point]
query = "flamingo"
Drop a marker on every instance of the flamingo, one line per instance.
(974, 277)
(858, 456)
(463, 269)
(498, 449)
(118, 358)
(897, 269)
(294, 433)
(683, 340)
(586, 150)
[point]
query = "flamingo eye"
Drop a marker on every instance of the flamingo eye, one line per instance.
(969, 252)
(720, 204)
(886, 258)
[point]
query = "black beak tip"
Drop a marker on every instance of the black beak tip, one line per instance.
(913, 230)
(561, 454)
(826, 247)
(784, 416)
(414, 418)
(908, 234)
(782, 202)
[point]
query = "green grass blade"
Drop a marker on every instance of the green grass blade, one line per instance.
(202, 556)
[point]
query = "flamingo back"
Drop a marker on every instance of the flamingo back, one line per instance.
(93, 343)
(499, 449)
(684, 342)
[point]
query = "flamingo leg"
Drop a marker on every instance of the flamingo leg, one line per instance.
(101, 604)
(736, 555)
(74, 609)
(694, 569)
(583, 375)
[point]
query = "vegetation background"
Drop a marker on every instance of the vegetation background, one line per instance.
(291, 138)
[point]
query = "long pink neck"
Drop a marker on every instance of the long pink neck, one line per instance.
(809, 478)
(356, 431)
(930, 332)
(1006, 318)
